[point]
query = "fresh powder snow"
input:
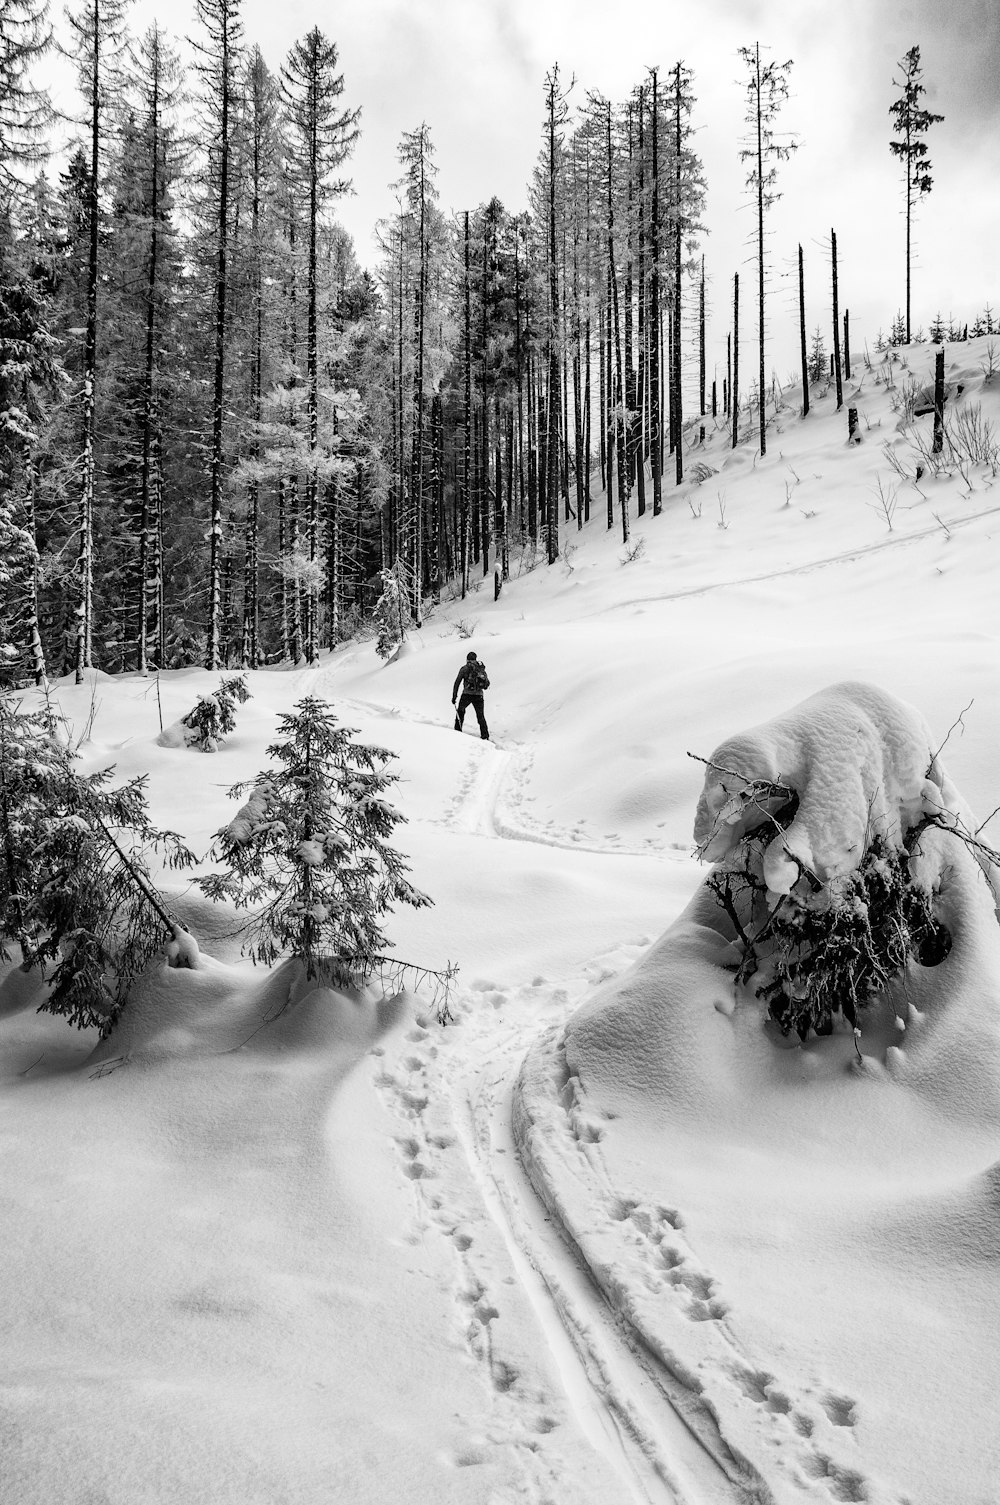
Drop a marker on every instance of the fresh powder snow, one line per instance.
(606, 1237)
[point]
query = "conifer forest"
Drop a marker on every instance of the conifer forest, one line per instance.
(220, 434)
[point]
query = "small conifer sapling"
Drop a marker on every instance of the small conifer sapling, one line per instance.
(214, 716)
(309, 852)
(392, 614)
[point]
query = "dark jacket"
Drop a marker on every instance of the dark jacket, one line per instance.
(472, 679)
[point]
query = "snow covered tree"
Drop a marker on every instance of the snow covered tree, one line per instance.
(218, 58)
(309, 852)
(912, 122)
(214, 716)
(321, 136)
(99, 29)
(392, 611)
(27, 373)
(75, 891)
(819, 362)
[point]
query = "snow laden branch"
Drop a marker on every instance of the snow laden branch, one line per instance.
(76, 894)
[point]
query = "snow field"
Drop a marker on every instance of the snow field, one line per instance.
(300, 1260)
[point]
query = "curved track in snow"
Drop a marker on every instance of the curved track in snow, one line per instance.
(452, 1093)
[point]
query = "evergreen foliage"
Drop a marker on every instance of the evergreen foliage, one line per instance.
(391, 616)
(819, 362)
(309, 852)
(912, 122)
(75, 891)
(214, 716)
(826, 948)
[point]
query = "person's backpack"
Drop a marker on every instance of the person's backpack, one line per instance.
(476, 678)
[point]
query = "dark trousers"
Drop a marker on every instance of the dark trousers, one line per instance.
(476, 702)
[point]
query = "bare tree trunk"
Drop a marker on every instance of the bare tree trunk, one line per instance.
(640, 390)
(802, 336)
(734, 396)
(554, 407)
(836, 324)
(701, 340)
(937, 443)
(85, 557)
(218, 395)
(655, 438)
(676, 379)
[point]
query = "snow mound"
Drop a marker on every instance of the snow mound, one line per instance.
(778, 1222)
(857, 758)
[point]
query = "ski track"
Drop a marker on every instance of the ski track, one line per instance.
(629, 1394)
(901, 541)
(510, 1256)
(642, 1261)
(456, 1146)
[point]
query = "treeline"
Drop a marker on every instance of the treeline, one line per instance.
(216, 428)
(218, 432)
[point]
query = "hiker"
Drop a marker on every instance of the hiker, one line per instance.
(474, 680)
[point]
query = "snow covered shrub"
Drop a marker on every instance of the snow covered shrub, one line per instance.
(815, 823)
(75, 891)
(309, 852)
(214, 716)
(392, 616)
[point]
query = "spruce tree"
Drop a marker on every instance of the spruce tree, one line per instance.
(912, 122)
(99, 32)
(218, 59)
(767, 90)
(309, 852)
(321, 136)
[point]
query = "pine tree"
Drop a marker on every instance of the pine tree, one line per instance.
(261, 131)
(99, 29)
(217, 65)
(767, 90)
(309, 852)
(912, 122)
(391, 616)
(213, 717)
(819, 365)
(27, 377)
(417, 224)
(158, 69)
(556, 111)
(322, 135)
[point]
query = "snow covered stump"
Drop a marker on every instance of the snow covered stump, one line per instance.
(793, 1223)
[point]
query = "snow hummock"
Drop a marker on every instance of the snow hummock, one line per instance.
(272, 1241)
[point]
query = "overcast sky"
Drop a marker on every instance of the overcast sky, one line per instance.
(474, 71)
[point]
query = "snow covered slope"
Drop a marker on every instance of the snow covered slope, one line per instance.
(301, 1259)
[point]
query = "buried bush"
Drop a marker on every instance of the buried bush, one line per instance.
(833, 829)
(831, 947)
